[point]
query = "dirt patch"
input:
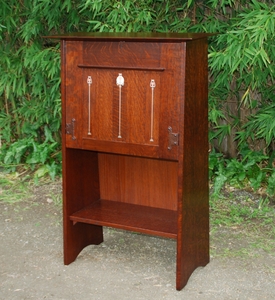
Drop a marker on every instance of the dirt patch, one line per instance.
(125, 266)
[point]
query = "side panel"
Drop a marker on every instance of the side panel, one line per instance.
(76, 164)
(73, 85)
(193, 193)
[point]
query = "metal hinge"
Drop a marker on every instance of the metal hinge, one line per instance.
(173, 138)
(70, 129)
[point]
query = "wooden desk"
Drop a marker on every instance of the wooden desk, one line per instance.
(135, 140)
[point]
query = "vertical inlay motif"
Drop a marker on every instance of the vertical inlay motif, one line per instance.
(89, 82)
(120, 84)
(152, 85)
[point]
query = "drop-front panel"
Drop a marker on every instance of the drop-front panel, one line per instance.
(122, 100)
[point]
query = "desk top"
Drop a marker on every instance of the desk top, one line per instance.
(169, 37)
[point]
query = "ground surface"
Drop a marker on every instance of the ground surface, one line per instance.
(125, 266)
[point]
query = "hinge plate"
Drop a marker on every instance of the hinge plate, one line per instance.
(173, 138)
(70, 129)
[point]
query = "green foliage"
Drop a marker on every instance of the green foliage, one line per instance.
(251, 168)
(134, 16)
(260, 126)
(242, 74)
(242, 89)
(33, 153)
(241, 92)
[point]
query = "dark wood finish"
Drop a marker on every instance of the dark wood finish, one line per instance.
(122, 170)
(163, 222)
(126, 54)
(78, 192)
(164, 37)
(135, 180)
(193, 192)
(121, 67)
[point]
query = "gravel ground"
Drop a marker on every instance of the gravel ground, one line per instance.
(125, 266)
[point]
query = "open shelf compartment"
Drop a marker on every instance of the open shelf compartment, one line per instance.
(138, 218)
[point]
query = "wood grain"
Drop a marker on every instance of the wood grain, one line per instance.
(131, 217)
(135, 180)
(132, 183)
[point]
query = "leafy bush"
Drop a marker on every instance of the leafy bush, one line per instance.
(241, 93)
(251, 168)
(243, 75)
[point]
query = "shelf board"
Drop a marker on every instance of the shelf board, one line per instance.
(148, 220)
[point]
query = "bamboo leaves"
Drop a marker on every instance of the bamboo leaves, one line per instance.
(241, 63)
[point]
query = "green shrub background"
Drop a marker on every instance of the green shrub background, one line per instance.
(241, 77)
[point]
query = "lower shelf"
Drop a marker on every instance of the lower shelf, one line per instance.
(149, 220)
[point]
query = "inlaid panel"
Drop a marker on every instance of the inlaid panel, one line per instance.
(123, 112)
